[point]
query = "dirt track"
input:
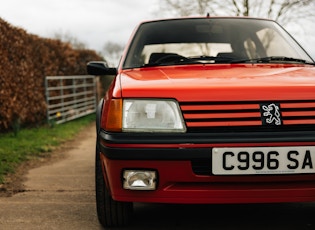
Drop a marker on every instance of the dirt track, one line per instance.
(60, 196)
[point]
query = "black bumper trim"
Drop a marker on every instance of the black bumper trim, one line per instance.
(186, 138)
(155, 154)
(206, 138)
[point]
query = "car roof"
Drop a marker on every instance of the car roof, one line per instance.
(205, 17)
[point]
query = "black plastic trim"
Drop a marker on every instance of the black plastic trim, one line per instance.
(185, 138)
(155, 154)
(206, 138)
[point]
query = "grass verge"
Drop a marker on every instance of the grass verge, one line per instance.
(36, 142)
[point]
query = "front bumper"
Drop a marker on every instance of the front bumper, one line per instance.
(177, 184)
(180, 180)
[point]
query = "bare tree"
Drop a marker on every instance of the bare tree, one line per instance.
(68, 38)
(186, 7)
(112, 52)
(284, 11)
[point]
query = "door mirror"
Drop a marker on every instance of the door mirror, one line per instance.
(100, 68)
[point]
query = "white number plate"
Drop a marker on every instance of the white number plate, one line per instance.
(263, 160)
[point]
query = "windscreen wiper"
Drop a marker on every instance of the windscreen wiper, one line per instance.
(212, 59)
(171, 59)
(273, 59)
(175, 59)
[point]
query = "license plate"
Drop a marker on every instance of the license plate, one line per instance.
(263, 160)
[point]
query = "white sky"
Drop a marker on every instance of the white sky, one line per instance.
(95, 22)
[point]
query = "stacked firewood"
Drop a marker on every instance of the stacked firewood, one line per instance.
(25, 60)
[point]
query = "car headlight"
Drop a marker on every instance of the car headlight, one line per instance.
(152, 116)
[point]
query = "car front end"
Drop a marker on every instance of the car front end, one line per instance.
(223, 140)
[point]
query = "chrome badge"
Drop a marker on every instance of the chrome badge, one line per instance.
(270, 114)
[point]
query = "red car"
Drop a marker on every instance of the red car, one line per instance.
(206, 110)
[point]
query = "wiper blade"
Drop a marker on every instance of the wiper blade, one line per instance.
(213, 59)
(175, 62)
(171, 59)
(273, 59)
(175, 59)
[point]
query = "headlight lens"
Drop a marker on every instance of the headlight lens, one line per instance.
(152, 116)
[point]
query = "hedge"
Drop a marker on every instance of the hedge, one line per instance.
(25, 60)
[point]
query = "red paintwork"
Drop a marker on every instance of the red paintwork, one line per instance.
(177, 184)
(222, 82)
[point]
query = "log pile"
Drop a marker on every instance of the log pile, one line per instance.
(25, 60)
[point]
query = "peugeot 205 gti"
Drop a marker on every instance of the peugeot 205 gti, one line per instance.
(206, 111)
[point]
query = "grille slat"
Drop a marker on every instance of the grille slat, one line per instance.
(222, 123)
(221, 115)
(235, 114)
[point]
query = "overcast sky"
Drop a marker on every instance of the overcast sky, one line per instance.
(95, 22)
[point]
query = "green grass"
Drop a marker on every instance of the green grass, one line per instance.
(36, 142)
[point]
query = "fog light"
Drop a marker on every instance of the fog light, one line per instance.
(139, 180)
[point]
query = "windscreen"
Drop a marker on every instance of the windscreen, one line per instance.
(211, 40)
